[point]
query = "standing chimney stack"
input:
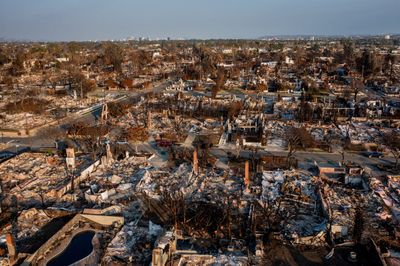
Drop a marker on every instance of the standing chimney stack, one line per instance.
(247, 175)
(195, 162)
(12, 250)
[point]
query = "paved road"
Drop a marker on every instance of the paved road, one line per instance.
(376, 94)
(308, 158)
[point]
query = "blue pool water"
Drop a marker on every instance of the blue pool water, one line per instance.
(79, 248)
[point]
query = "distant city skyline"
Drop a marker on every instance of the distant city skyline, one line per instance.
(77, 20)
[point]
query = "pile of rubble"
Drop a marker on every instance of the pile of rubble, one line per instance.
(220, 260)
(115, 181)
(294, 196)
(21, 175)
(132, 244)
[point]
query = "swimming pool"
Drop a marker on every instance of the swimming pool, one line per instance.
(79, 247)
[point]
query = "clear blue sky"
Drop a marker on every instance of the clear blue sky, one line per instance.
(115, 19)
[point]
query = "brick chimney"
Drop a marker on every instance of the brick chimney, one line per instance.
(12, 249)
(195, 162)
(246, 175)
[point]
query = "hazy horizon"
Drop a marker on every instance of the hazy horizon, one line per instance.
(74, 20)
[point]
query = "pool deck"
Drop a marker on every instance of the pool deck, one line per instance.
(66, 241)
(59, 241)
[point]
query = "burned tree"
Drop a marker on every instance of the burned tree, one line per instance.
(219, 83)
(178, 131)
(175, 203)
(117, 109)
(113, 55)
(205, 217)
(297, 138)
(358, 225)
(136, 135)
(292, 142)
(202, 144)
(28, 104)
(234, 109)
(91, 139)
(356, 86)
(79, 81)
(305, 111)
(88, 136)
(337, 144)
(17, 66)
(392, 142)
(267, 215)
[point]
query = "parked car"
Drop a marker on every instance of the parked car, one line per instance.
(373, 154)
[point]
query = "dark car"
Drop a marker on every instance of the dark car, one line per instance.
(373, 154)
